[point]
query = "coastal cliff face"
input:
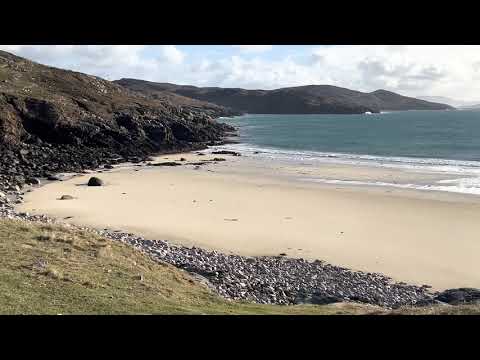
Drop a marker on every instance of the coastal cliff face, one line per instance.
(58, 120)
(45, 104)
(311, 99)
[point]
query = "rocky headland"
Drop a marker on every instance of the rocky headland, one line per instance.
(54, 120)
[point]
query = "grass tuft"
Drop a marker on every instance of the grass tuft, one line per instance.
(48, 269)
(53, 272)
(45, 237)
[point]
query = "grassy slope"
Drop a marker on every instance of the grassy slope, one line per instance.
(47, 269)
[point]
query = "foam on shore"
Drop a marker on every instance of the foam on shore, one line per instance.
(464, 176)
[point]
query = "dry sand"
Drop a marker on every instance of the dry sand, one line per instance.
(250, 208)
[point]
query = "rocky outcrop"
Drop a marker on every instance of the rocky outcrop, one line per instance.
(54, 120)
(95, 181)
(310, 99)
(459, 296)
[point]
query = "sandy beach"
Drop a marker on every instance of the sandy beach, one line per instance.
(249, 207)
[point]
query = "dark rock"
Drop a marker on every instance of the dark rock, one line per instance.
(459, 296)
(54, 178)
(94, 181)
(135, 160)
(166, 163)
(66, 197)
(318, 299)
(33, 181)
(225, 152)
(218, 159)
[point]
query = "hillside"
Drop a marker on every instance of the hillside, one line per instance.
(310, 99)
(49, 269)
(58, 120)
(60, 106)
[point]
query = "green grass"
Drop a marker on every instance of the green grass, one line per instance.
(47, 269)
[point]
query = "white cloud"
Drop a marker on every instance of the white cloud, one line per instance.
(410, 69)
(171, 54)
(108, 61)
(413, 70)
(253, 48)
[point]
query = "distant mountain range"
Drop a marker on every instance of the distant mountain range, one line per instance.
(452, 102)
(310, 99)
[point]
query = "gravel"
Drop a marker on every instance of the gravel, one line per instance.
(265, 279)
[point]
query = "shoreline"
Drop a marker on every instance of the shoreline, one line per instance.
(222, 170)
(234, 277)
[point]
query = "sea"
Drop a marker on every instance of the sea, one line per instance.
(444, 142)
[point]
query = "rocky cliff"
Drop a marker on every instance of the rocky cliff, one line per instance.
(58, 120)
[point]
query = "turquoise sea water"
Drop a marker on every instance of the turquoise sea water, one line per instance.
(432, 141)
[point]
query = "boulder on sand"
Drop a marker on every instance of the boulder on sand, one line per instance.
(225, 152)
(94, 181)
(54, 178)
(166, 163)
(66, 197)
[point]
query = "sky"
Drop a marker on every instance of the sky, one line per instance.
(411, 70)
